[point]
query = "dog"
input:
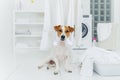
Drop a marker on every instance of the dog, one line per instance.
(61, 50)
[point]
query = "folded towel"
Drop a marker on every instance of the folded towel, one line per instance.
(99, 55)
(87, 67)
(103, 56)
(104, 31)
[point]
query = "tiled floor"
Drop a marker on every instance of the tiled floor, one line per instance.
(27, 70)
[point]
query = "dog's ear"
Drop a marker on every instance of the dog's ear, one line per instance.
(71, 28)
(56, 28)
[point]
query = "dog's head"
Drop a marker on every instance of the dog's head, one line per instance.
(63, 32)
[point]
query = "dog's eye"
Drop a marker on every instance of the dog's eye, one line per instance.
(60, 30)
(66, 31)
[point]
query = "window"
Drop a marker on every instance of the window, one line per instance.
(96, 6)
(96, 12)
(108, 1)
(96, 18)
(96, 1)
(101, 13)
(102, 6)
(107, 6)
(101, 18)
(108, 18)
(108, 12)
(102, 1)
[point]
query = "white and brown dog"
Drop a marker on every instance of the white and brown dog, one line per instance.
(60, 55)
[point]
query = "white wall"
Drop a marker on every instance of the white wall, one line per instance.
(116, 18)
(7, 59)
(86, 7)
(116, 11)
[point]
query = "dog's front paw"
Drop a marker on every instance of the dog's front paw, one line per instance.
(55, 73)
(39, 67)
(48, 68)
(69, 71)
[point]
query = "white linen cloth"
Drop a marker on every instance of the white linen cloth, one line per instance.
(99, 55)
(103, 56)
(104, 31)
(86, 71)
(63, 12)
(108, 36)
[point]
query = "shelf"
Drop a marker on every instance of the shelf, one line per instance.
(28, 26)
(79, 48)
(28, 11)
(27, 36)
(28, 23)
(29, 18)
(27, 47)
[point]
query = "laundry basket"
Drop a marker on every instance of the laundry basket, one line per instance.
(107, 69)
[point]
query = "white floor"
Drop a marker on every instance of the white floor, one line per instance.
(27, 70)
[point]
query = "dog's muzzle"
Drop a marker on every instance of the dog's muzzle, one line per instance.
(62, 37)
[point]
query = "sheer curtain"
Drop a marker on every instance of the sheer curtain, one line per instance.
(63, 12)
(118, 38)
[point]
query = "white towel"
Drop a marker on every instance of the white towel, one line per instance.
(98, 55)
(103, 56)
(87, 67)
(104, 31)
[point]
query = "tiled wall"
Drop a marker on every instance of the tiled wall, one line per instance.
(101, 13)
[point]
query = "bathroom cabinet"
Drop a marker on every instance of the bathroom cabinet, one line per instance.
(27, 30)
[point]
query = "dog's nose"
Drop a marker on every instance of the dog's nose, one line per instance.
(62, 37)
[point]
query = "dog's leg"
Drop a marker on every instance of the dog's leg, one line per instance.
(48, 67)
(51, 64)
(43, 62)
(57, 66)
(67, 64)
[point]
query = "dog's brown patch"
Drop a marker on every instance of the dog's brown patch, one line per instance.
(68, 30)
(51, 62)
(71, 29)
(58, 29)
